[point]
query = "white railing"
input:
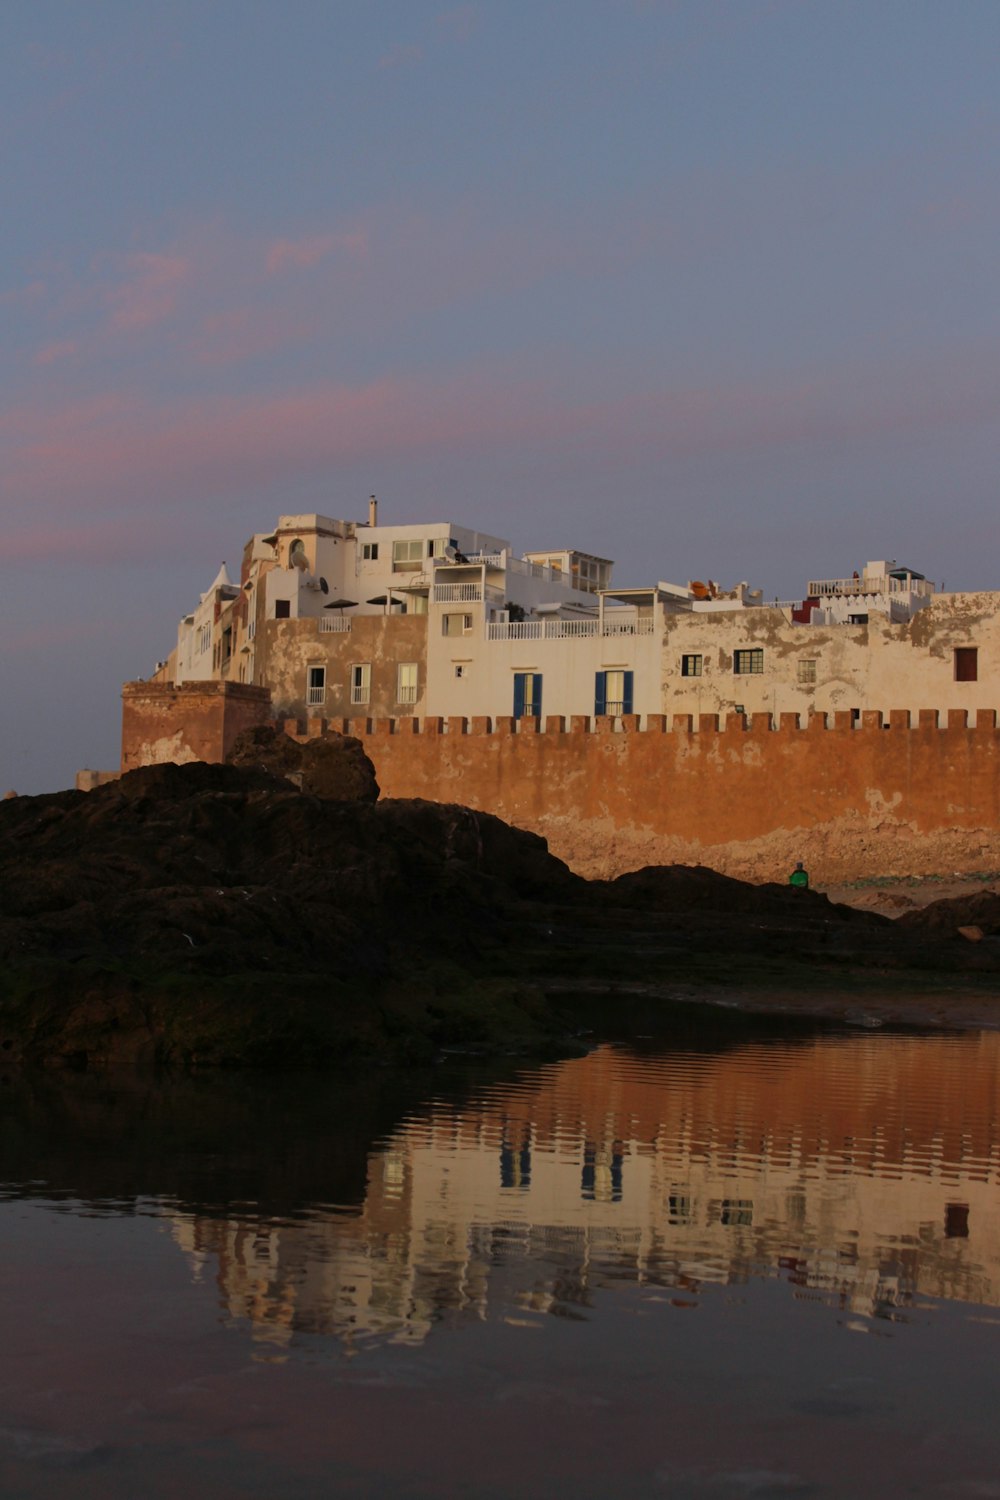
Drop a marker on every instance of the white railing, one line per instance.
(629, 627)
(315, 696)
(407, 694)
(822, 587)
(869, 584)
(334, 624)
(562, 630)
(540, 630)
(518, 630)
(457, 593)
(466, 593)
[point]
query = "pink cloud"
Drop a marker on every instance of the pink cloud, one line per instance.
(24, 296)
(50, 637)
(98, 541)
(53, 352)
(124, 446)
(149, 295)
(300, 254)
(130, 450)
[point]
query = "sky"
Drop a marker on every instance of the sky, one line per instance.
(703, 286)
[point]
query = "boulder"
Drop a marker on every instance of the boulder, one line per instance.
(333, 767)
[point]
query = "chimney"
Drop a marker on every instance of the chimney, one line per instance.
(373, 511)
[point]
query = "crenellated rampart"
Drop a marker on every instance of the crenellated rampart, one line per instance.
(877, 794)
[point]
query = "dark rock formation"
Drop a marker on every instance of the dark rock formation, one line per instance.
(334, 766)
(945, 918)
(215, 913)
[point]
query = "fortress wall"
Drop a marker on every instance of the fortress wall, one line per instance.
(710, 784)
(890, 795)
(893, 794)
(190, 721)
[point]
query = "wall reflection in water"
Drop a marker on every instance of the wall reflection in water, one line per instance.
(861, 1171)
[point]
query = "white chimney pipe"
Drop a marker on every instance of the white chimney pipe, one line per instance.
(373, 511)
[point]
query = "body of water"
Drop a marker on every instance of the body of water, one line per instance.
(755, 1265)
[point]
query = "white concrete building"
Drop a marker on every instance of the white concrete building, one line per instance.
(340, 617)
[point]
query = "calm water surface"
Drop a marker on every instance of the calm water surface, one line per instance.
(765, 1266)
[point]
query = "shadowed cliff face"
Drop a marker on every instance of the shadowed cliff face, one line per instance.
(216, 914)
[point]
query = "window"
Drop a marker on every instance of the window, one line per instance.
(527, 695)
(227, 643)
(691, 666)
(857, 619)
(613, 693)
(361, 682)
(406, 682)
(407, 557)
(966, 664)
(736, 1211)
(807, 671)
(369, 551)
(282, 609)
(204, 639)
(456, 625)
(751, 662)
(436, 546)
(315, 686)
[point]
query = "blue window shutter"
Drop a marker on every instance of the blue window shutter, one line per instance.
(601, 693)
(627, 693)
(538, 695)
(519, 694)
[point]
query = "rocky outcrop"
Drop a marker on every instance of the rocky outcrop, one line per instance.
(334, 766)
(947, 918)
(219, 914)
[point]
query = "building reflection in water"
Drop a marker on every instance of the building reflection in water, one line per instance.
(862, 1171)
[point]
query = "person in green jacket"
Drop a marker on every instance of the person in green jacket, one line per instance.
(799, 877)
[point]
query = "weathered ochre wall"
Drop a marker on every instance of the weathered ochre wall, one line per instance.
(193, 721)
(910, 794)
(710, 784)
(286, 649)
(746, 797)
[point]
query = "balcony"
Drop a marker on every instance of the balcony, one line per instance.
(466, 593)
(644, 626)
(825, 588)
(540, 630)
(334, 624)
(472, 560)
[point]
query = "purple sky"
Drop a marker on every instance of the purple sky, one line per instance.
(705, 286)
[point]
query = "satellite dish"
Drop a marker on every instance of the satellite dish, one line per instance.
(324, 586)
(451, 552)
(300, 561)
